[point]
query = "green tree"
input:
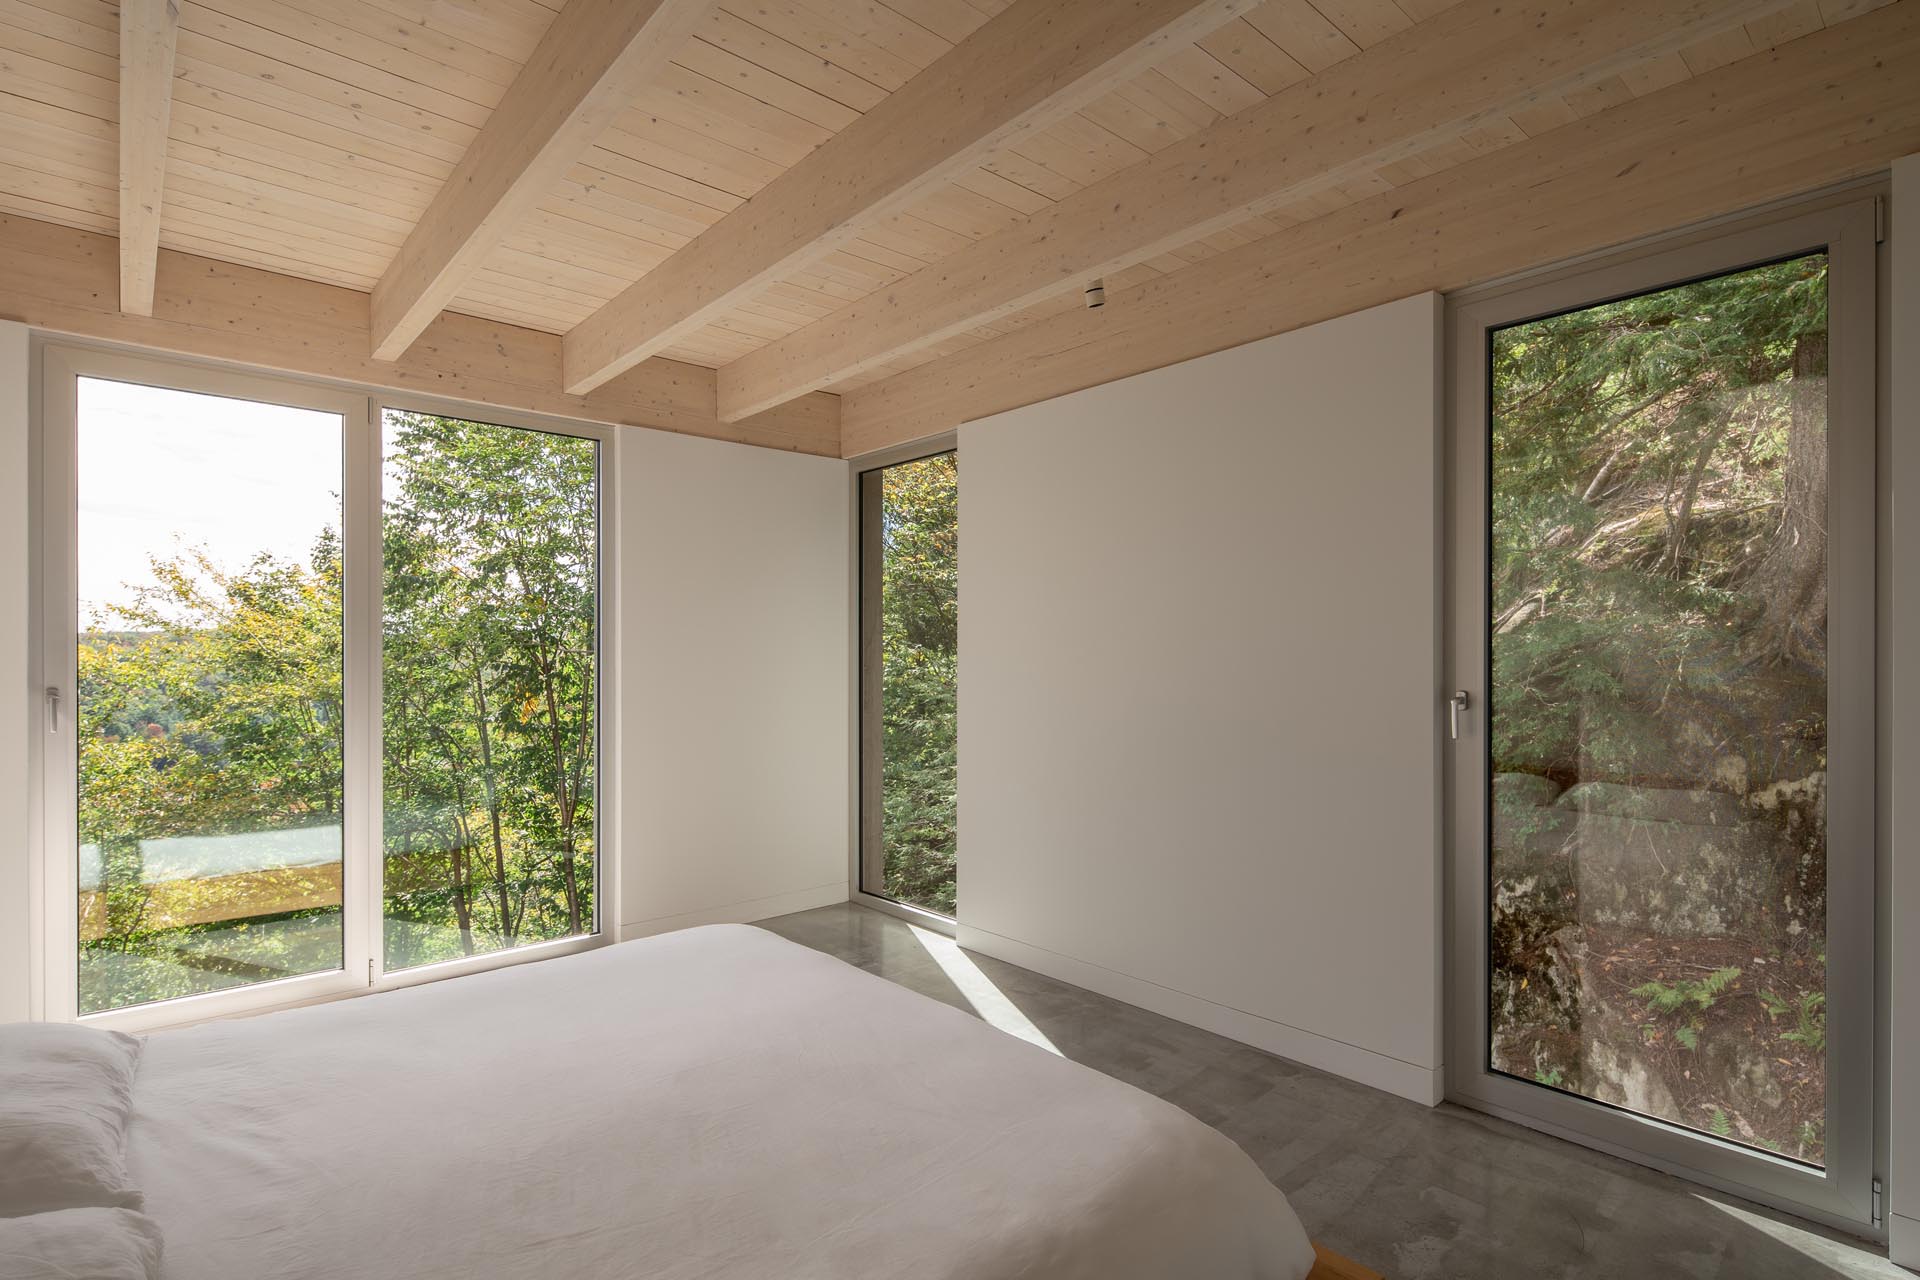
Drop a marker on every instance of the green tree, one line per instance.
(1659, 521)
(919, 634)
(214, 711)
(214, 707)
(491, 551)
(1658, 592)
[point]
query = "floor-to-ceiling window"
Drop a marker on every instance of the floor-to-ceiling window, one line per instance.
(490, 681)
(1664, 850)
(909, 669)
(323, 687)
(209, 712)
(1659, 704)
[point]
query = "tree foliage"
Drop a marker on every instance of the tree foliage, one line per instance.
(490, 646)
(919, 645)
(1658, 610)
(214, 707)
(1659, 523)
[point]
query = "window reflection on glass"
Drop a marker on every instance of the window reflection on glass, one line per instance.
(209, 693)
(490, 648)
(1659, 695)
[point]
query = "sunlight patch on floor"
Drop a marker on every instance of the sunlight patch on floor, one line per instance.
(987, 1000)
(1822, 1254)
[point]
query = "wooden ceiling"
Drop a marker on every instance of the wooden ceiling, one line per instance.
(1013, 151)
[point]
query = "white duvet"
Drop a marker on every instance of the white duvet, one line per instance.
(717, 1103)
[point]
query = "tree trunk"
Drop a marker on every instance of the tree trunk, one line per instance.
(1793, 579)
(462, 886)
(1604, 474)
(509, 926)
(1677, 537)
(563, 792)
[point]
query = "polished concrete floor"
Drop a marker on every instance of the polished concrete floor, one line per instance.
(1415, 1193)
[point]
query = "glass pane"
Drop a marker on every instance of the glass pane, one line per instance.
(1659, 705)
(210, 716)
(491, 656)
(919, 648)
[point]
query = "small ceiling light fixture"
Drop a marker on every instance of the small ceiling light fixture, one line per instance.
(1096, 295)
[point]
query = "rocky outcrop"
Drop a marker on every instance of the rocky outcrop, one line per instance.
(1697, 807)
(1672, 862)
(1523, 791)
(1537, 996)
(1664, 884)
(1676, 879)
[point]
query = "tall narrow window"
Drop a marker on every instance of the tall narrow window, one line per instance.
(1659, 705)
(209, 697)
(490, 642)
(909, 675)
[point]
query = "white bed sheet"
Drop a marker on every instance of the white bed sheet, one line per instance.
(716, 1103)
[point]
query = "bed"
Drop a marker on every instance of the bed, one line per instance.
(716, 1103)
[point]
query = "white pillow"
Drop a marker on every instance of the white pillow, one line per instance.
(80, 1244)
(65, 1094)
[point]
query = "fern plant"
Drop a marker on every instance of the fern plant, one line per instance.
(1809, 1013)
(1661, 997)
(1692, 996)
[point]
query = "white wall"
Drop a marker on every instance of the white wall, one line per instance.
(1199, 711)
(735, 595)
(1903, 1188)
(17, 703)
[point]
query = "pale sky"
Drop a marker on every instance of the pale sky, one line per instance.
(161, 471)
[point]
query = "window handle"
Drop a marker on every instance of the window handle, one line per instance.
(53, 708)
(1455, 705)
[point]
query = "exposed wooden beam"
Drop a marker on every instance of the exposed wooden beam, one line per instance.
(63, 280)
(594, 58)
(1428, 84)
(1823, 108)
(149, 30)
(1033, 64)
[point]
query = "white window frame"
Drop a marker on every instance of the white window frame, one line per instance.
(1841, 1194)
(52, 834)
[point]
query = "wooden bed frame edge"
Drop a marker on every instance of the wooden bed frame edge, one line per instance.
(1328, 1265)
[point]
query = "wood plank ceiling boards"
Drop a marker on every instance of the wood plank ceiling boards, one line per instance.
(1418, 88)
(835, 225)
(1820, 109)
(1034, 64)
(594, 58)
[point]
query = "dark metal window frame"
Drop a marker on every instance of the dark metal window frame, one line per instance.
(869, 860)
